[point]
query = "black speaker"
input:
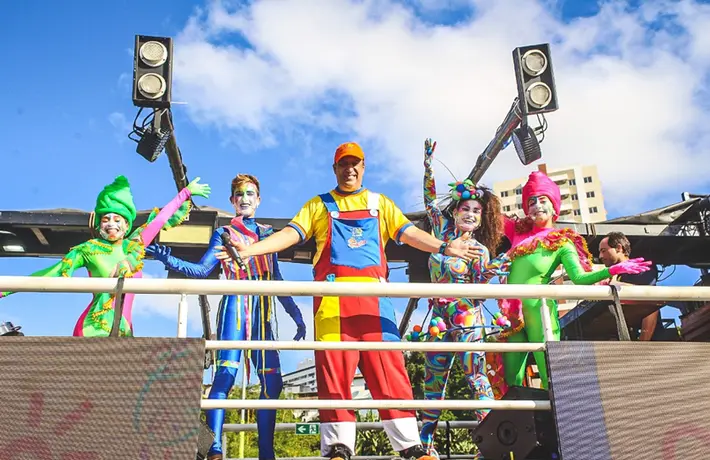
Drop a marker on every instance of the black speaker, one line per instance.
(518, 434)
(204, 441)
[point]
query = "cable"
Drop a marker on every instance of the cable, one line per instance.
(669, 275)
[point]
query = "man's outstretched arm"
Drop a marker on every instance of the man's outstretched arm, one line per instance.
(283, 239)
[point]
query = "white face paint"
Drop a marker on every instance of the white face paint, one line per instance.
(540, 209)
(246, 200)
(113, 227)
(467, 216)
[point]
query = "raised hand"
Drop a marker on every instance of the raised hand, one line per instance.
(158, 252)
(197, 189)
(630, 267)
(429, 147)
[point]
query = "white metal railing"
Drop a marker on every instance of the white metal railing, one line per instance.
(349, 289)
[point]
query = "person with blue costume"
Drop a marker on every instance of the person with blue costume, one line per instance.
(242, 317)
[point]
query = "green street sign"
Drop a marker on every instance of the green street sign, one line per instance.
(307, 428)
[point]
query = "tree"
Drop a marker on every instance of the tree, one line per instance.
(286, 444)
(372, 442)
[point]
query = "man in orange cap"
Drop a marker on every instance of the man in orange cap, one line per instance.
(351, 226)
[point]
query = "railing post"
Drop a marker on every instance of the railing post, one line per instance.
(182, 316)
(546, 322)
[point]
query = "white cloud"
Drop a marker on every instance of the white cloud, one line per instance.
(628, 92)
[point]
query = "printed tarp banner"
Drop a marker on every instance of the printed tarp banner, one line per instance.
(631, 400)
(75, 398)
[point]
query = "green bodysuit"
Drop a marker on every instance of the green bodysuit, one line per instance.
(534, 258)
(123, 258)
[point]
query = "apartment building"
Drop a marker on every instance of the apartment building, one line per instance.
(582, 202)
(580, 189)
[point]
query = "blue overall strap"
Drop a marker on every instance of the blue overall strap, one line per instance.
(329, 202)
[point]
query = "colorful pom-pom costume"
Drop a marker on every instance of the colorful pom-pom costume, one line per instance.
(112, 259)
(464, 317)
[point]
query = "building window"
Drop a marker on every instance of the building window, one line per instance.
(590, 194)
(506, 208)
(572, 182)
(577, 212)
(504, 194)
(519, 191)
(588, 180)
(575, 197)
(593, 210)
(518, 206)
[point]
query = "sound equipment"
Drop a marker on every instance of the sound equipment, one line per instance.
(100, 398)
(630, 400)
(518, 434)
(204, 441)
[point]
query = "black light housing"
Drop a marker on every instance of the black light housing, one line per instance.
(526, 144)
(152, 142)
(152, 71)
(10, 243)
(535, 79)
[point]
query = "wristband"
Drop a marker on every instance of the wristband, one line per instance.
(442, 248)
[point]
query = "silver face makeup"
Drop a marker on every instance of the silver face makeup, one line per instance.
(113, 227)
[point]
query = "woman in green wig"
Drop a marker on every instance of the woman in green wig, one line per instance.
(118, 250)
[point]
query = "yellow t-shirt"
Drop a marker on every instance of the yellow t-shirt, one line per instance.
(312, 219)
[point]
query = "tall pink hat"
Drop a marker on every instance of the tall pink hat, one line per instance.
(539, 184)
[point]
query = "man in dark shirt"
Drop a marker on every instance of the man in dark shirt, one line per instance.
(616, 248)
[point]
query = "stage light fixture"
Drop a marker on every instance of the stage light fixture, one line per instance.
(151, 85)
(534, 62)
(535, 79)
(526, 144)
(8, 329)
(152, 71)
(10, 242)
(152, 143)
(153, 53)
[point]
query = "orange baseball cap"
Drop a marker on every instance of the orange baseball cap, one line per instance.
(348, 149)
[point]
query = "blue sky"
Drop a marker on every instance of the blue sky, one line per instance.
(276, 114)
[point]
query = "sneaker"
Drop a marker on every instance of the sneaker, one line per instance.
(416, 453)
(339, 452)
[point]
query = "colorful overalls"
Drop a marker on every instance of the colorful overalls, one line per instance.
(353, 251)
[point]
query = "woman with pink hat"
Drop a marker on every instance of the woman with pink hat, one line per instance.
(538, 248)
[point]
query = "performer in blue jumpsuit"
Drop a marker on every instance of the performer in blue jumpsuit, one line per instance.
(242, 317)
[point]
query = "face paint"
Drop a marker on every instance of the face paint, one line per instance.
(540, 209)
(467, 216)
(246, 200)
(113, 227)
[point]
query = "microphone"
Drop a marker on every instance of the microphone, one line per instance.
(227, 242)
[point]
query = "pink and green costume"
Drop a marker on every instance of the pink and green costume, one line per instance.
(459, 320)
(534, 256)
(123, 258)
